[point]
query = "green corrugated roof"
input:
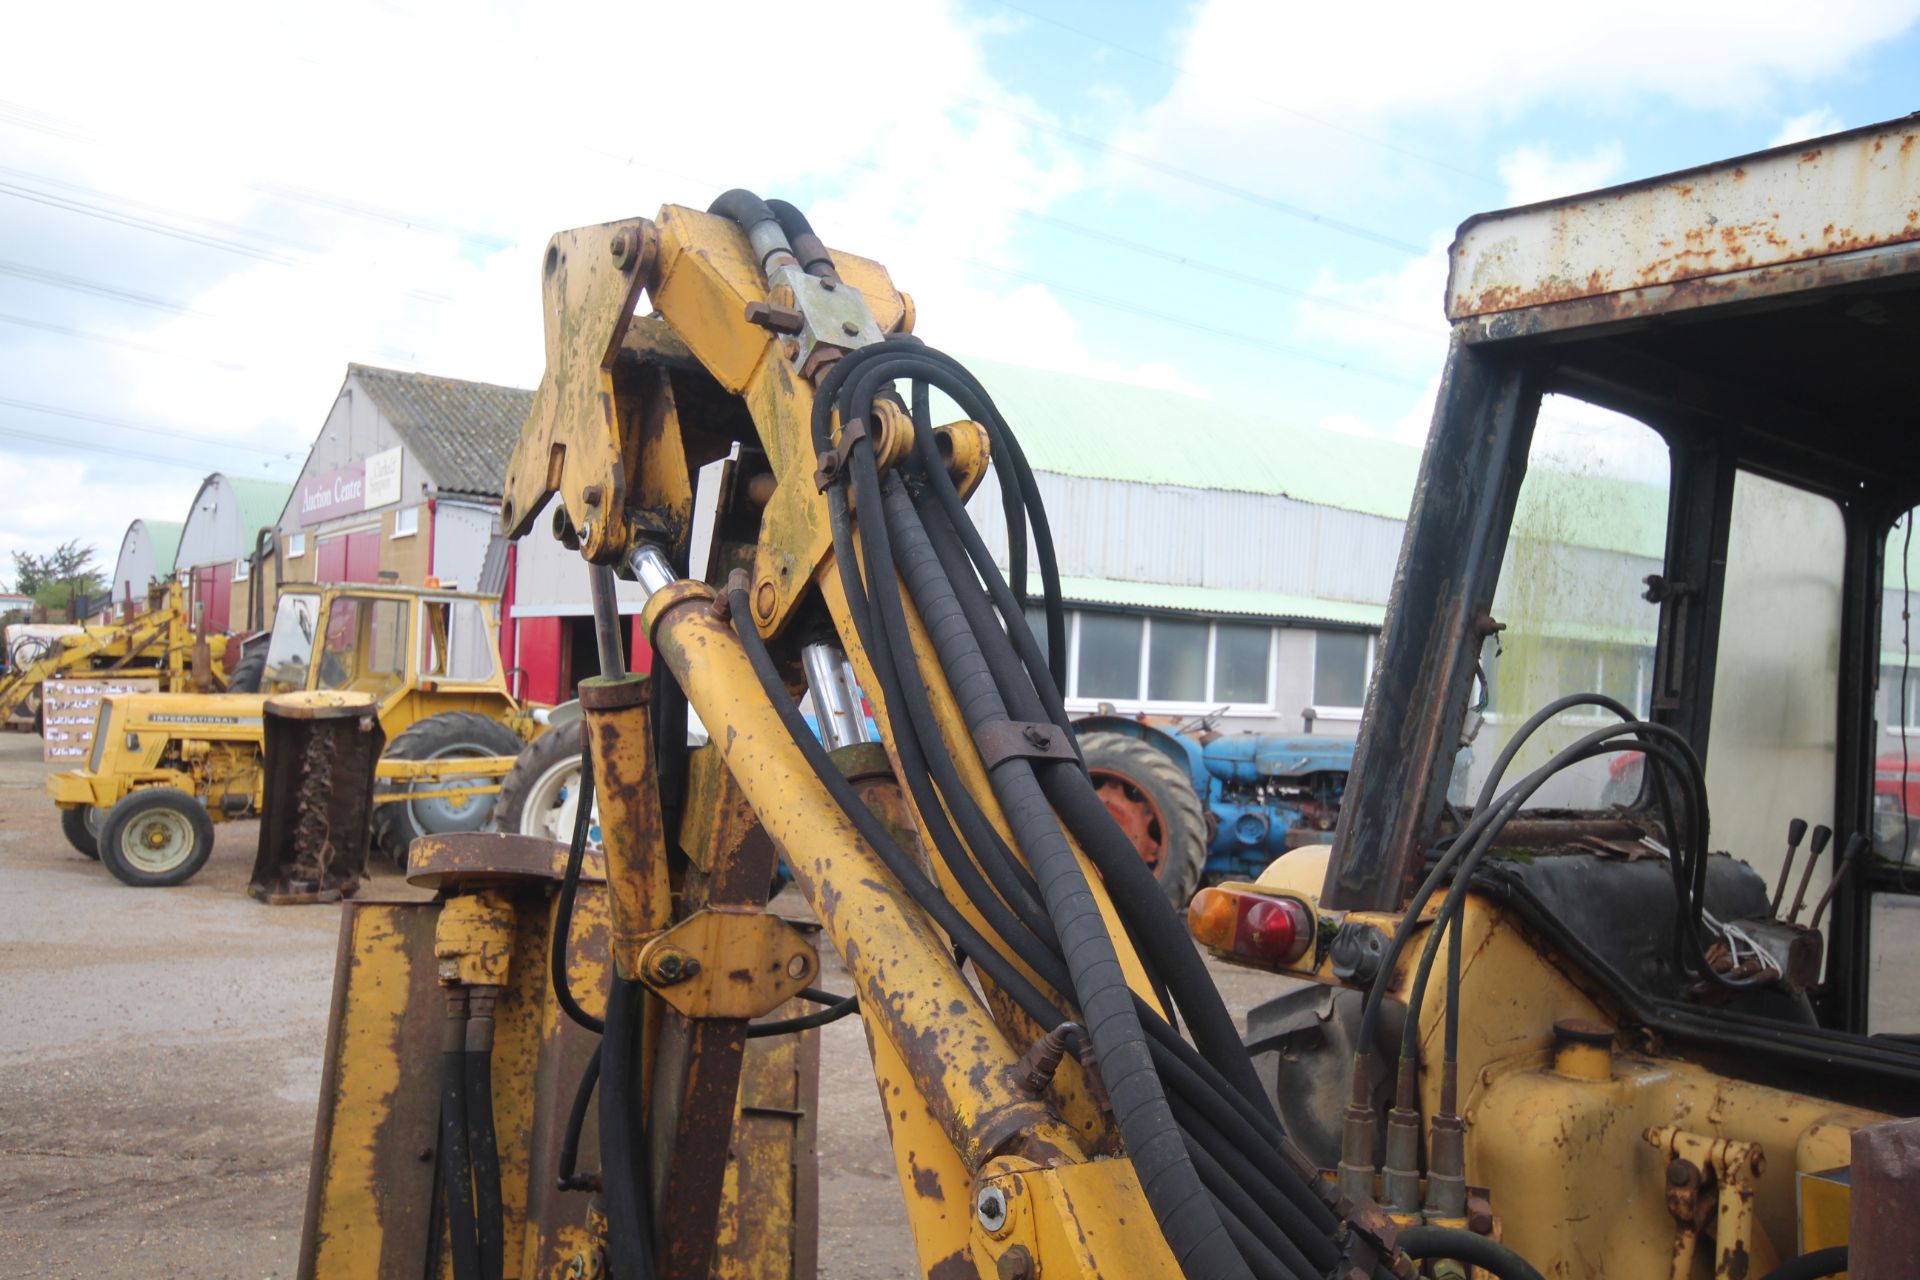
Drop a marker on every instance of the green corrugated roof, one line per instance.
(261, 502)
(1116, 431)
(1078, 426)
(165, 537)
(1212, 600)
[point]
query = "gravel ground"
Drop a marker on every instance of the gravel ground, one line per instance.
(161, 1061)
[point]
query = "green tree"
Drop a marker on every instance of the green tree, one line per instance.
(57, 577)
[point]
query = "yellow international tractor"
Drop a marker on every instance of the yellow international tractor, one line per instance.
(1529, 1031)
(166, 767)
(159, 643)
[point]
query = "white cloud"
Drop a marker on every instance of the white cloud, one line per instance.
(1535, 173)
(1816, 123)
(1330, 95)
(441, 119)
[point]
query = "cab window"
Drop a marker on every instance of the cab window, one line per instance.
(1772, 730)
(290, 646)
(365, 646)
(454, 644)
(1589, 525)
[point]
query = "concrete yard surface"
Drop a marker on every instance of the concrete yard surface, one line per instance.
(161, 1062)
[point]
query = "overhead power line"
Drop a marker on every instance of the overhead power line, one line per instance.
(1199, 179)
(64, 331)
(90, 446)
(144, 427)
(59, 280)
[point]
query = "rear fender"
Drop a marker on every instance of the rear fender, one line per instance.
(1183, 751)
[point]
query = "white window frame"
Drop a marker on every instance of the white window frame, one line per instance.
(240, 569)
(296, 545)
(1642, 657)
(1140, 702)
(412, 516)
(1330, 711)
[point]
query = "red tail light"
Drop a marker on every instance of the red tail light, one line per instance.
(1251, 926)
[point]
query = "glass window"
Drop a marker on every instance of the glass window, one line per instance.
(365, 647)
(406, 522)
(1897, 750)
(240, 568)
(290, 644)
(1037, 623)
(1589, 526)
(471, 648)
(1893, 998)
(1771, 736)
(1176, 661)
(1340, 668)
(1109, 665)
(296, 545)
(1241, 660)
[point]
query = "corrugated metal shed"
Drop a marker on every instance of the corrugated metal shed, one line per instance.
(1078, 426)
(1273, 605)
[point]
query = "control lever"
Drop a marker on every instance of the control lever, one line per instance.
(1854, 848)
(1815, 847)
(1796, 832)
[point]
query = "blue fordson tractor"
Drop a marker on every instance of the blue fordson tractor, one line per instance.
(1202, 805)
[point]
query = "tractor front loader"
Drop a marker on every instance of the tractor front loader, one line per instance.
(159, 643)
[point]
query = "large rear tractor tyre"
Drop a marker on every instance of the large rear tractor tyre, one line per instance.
(156, 838)
(538, 796)
(1153, 801)
(248, 672)
(81, 826)
(451, 735)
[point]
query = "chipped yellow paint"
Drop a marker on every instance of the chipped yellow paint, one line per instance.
(346, 1210)
(1089, 1219)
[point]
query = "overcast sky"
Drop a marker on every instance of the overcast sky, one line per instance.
(207, 210)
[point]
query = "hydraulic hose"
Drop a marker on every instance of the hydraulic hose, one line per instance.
(1188, 1216)
(1421, 1243)
(484, 1152)
(623, 1154)
(807, 247)
(456, 1168)
(569, 891)
(567, 1175)
(1811, 1266)
(1135, 893)
(806, 1021)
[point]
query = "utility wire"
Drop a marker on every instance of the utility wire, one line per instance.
(1199, 179)
(86, 335)
(59, 280)
(88, 446)
(147, 428)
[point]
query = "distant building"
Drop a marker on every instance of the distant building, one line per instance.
(146, 556)
(403, 485)
(218, 541)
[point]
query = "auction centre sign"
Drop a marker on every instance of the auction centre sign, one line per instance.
(358, 486)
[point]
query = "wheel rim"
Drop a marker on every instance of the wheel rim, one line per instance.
(157, 841)
(553, 803)
(90, 818)
(1135, 813)
(443, 814)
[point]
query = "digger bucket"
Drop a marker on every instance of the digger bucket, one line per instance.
(321, 749)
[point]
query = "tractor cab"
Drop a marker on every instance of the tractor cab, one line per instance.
(1672, 465)
(381, 641)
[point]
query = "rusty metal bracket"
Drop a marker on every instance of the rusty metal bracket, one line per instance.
(728, 963)
(1003, 740)
(833, 462)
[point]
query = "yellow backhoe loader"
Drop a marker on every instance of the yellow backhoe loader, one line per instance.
(165, 767)
(158, 643)
(1633, 1061)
